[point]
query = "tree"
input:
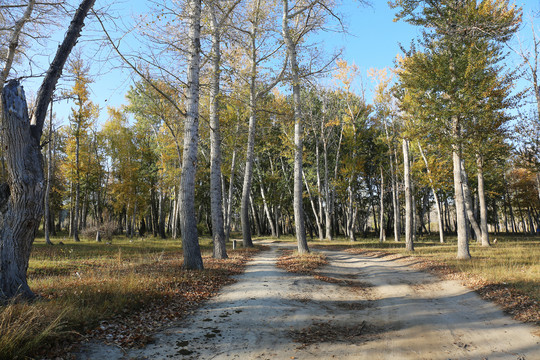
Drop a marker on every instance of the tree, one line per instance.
(81, 120)
(458, 33)
(21, 198)
(258, 47)
(188, 219)
(298, 128)
(218, 17)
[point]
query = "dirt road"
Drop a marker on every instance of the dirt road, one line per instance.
(373, 309)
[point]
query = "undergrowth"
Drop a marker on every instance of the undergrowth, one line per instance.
(80, 285)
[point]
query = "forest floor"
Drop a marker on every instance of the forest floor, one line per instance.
(358, 306)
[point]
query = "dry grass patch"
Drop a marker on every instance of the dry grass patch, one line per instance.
(291, 261)
(118, 293)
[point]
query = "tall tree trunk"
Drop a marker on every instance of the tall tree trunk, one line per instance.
(463, 243)
(327, 200)
(482, 200)
(47, 217)
(229, 199)
(409, 213)
(468, 203)
(395, 202)
(188, 220)
(218, 234)
(319, 186)
(382, 233)
(161, 213)
(21, 198)
(298, 134)
(77, 184)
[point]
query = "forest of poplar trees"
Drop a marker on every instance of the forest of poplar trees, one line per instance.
(237, 121)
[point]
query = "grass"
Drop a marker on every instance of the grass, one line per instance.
(301, 263)
(511, 263)
(82, 284)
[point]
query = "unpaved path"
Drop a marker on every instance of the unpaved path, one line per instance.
(386, 311)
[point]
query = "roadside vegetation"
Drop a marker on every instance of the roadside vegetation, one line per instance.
(117, 292)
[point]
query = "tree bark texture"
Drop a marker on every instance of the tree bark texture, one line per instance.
(468, 203)
(21, 199)
(482, 201)
(298, 135)
(188, 219)
(463, 241)
(218, 234)
(409, 213)
(248, 173)
(229, 198)
(382, 233)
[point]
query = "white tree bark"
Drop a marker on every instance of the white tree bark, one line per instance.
(218, 234)
(382, 232)
(327, 196)
(188, 219)
(482, 200)
(229, 198)
(298, 134)
(409, 221)
(463, 241)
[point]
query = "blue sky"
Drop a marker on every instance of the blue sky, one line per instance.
(372, 42)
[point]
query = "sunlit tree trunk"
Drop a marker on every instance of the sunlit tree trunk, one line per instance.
(229, 198)
(298, 134)
(382, 233)
(463, 241)
(47, 216)
(482, 200)
(218, 234)
(327, 200)
(188, 219)
(248, 171)
(409, 213)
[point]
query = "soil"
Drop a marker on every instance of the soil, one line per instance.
(358, 307)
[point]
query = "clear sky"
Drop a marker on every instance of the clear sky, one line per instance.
(372, 41)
